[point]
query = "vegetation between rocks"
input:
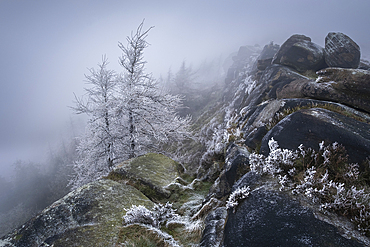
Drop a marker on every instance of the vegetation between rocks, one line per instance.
(325, 177)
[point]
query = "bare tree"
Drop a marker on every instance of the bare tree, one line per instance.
(148, 114)
(96, 149)
(128, 114)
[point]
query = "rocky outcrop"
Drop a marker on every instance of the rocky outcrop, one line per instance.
(258, 120)
(88, 216)
(341, 51)
(270, 218)
(311, 126)
(234, 168)
(245, 55)
(301, 54)
(270, 84)
(150, 173)
(287, 103)
(267, 54)
(346, 86)
(264, 100)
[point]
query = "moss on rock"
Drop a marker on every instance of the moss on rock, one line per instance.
(90, 214)
(149, 173)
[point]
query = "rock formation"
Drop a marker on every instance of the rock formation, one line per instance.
(256, 185)
(341, 51)
(301, 54)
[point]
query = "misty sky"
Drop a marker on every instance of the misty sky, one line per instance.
(46, 47)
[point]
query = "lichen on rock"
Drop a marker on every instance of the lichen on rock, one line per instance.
(91, 213)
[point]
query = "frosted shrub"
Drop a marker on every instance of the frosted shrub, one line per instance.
(279, 163)
(161, 217)
(156, 217)
(325, 177)
(140, 214)
(235, 197)
(257, 163)
(164, 213)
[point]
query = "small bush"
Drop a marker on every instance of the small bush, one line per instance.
(156, 217)
(324, 176)
(238, 195)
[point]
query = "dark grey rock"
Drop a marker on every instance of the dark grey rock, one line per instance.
(236, 165)
(269, 51)
(254, 137)
(269, 218)
(262, 64)
(341, 51)
(347, 86)
(257, 119)
(249, 179)
(364, 64)
(311, 126)
(265, 58)
(214, 226)
(89, 214)
(287, 44)
(271, 81)
(301, 54)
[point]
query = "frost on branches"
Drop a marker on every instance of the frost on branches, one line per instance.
(128, 114)
(235, 197)
(279, 160)
(160, 216)
(97, 149)
(157, 217)
(325, 177)
(147, 113)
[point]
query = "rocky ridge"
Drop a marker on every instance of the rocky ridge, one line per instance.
(244, 193)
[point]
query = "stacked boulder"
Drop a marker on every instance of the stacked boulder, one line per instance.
(301, 54)
(341, 51)
(299, 93)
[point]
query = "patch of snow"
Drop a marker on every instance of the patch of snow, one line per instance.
(5, 243)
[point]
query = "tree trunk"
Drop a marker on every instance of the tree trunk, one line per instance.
(132, 137)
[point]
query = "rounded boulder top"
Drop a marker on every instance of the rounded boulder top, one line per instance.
(341, 51)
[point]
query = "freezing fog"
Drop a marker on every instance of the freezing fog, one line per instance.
(48, 46)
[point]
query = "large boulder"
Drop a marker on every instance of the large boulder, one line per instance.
(341, 51)
(348, 81)
(301, 54)
(88, 216)
(346, 86)
(258, 120)
(271, 81)
(266, 56)
(271, 218)
(150, 173)
(312, 126)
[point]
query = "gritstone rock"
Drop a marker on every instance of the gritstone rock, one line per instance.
(311, 126)
(301, 54)
(341, 51)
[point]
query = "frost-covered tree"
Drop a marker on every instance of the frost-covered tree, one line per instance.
(184, 79)
(128, 113)
(147, 113)
(97, 149)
